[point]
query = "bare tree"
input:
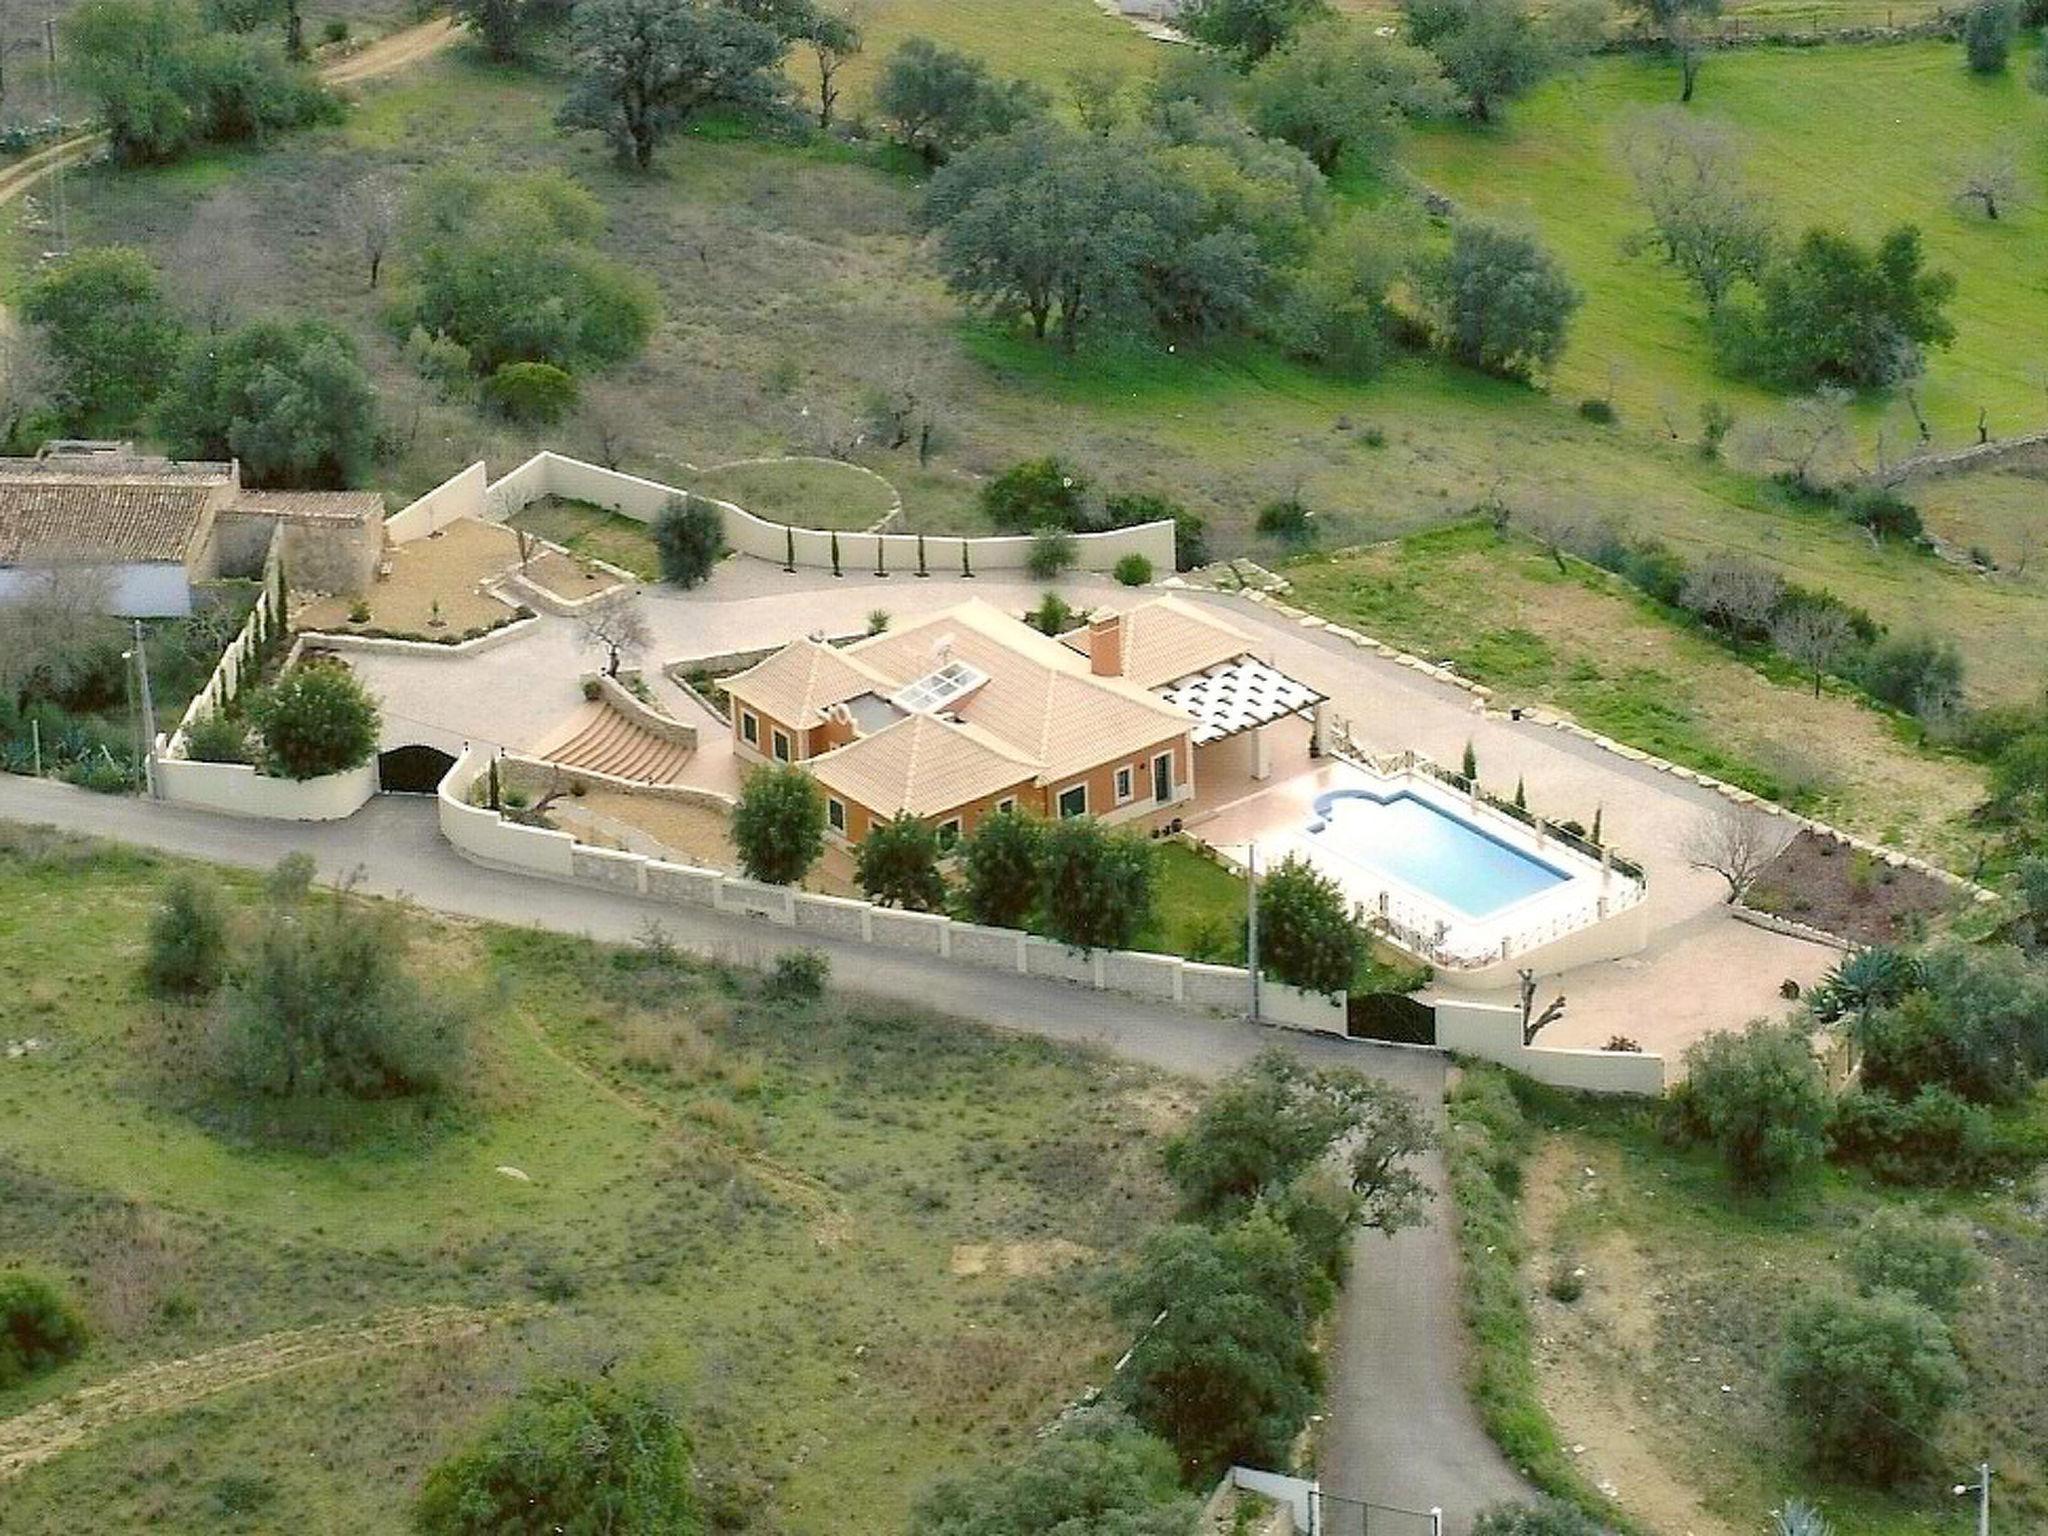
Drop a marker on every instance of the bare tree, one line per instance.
(905, 405)
(617, 625)
(57, 626)
(372, 205)
(1812, 634)
(1735, 844)
(220, 259)
(1809, 443)
(825, 427)
(1534, 1023)
(606, 412)
(1991, 181)
(27, 379)
(1732, 592)
(834, 36)
(1703, 215)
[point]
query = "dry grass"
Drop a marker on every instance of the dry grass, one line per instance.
(435, 588)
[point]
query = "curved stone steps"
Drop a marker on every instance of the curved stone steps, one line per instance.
(613, 745)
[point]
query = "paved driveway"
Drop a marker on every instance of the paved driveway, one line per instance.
(1401, 1429)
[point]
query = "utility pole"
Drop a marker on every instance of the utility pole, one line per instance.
(1981, 1488)
(57, 174)
(1251, 922)
(148, 713)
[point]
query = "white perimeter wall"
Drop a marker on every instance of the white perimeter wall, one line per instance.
(550, 474)
(1494, 1033)
(239, 790)
(483, 835)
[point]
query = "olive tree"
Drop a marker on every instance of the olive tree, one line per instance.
(1868, 1379)
(999, 868)
(1498, 300)
(779, 824)
(1760, 1097)
(1308, 934)
(1704, 218)
(317, 720)
(898, 864)
(1094, 885)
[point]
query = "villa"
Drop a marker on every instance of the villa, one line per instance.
(971, 711)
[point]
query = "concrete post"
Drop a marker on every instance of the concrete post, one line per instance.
(1262, 755)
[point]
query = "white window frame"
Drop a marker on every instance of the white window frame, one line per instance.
(835, 813)
(1125, 781)
(780, 746)
(1060, 804)
(750, 728)
(1007, 803)
(950, 833)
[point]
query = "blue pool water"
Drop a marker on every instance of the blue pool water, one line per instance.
(1427, 849)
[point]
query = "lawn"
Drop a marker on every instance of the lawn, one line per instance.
(1856, 139)
(1581, 641)
(864, 1245)
(592, 532)
(810, 493)
(1659, 1378)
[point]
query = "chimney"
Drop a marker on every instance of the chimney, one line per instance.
(1106, 645)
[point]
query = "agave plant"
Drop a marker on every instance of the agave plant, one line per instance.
(1799, 1518)
(1865, 981)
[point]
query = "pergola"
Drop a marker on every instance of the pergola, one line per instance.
(1243, 695)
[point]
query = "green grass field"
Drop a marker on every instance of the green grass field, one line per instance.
(866, 1246)
(1857, 139)
(806, 492)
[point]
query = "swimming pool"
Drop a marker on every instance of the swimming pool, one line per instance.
(1413, 843)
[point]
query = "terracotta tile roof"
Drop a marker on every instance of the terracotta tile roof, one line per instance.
(352, 505)
(52, 519)
(921, 764)
(799, 682)
(1167, 639)
(1040, 703)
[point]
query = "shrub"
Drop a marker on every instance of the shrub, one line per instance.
(1598, 410)
(1288, 518)
(779, 824)
(336, 30)
(188, 941)
(327, 1003)
(1933, 1138)
(1916, 673)
(999, 869)
(1988, 30)
(899, 864)
(1190, 530)
(1932, 1264)
(1037, 493)
(317, 720)
(1097, 1472)
(1052, 551)
(568, 1456)
(1052, 615)
(1884, 513)
(1541, 1517)
(1094, 885)
(112, 338)
(39, 1328)
(1308, 936)
(689, 536)
(1133, 570)
(1758, 1096)
(1869, 1378)
(1979, 1026)
(218, 738)
(798, 976)
(533, 394)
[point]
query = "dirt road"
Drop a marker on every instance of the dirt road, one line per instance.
(57, 1426)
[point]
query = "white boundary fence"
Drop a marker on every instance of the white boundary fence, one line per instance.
(1493, 1032)
(483, 835)
(469, 494)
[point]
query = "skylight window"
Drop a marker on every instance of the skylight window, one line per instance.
(936, 690)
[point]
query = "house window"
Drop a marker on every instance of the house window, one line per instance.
(1123, 786)
(1007, 803)
(781, 746)
(1074, 801)
(1162, 776)
(949, 833)
(835, 814)
(750, 728)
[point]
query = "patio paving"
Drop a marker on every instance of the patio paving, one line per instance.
(1702, 970)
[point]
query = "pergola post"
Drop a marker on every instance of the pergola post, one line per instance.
(1318, 736)
(1262, 754)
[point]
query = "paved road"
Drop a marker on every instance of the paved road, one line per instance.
(1401, 1429)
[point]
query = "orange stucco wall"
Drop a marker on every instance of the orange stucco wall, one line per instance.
(1101, 781)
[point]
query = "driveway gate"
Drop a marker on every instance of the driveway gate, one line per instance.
(1339, 1516)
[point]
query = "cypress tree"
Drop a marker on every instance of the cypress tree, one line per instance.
(835, 555)
(922, 570)
(788, 548)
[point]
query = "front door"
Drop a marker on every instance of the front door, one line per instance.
(1162, 777)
